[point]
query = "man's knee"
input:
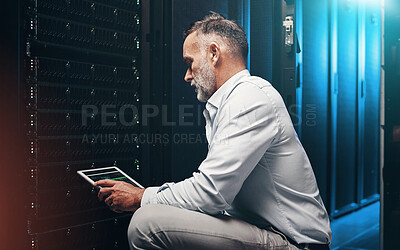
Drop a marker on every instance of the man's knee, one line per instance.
(139, 227)
(146, 222)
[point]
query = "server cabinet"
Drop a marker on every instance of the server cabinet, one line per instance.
(283, 52)
(391, 170)
(261, 31)
(340, 100)
(314, 119)
(357, 126)
(80, 109)
(371, 89)
(346, 152)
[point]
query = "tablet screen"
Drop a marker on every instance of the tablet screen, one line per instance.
(108, 173)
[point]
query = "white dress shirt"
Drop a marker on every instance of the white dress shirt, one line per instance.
(256, 168)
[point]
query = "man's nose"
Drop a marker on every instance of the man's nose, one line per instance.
(188, 76)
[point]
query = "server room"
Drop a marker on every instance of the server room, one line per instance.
(183, 124)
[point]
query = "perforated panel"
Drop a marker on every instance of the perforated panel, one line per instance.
(347, 98)
(82, 110)
(372, 97)
(315, 88)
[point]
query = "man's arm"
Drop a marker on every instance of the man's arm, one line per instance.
(245, 130)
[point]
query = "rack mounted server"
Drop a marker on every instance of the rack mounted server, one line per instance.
(81, 84)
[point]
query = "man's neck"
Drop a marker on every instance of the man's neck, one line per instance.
(225, 73)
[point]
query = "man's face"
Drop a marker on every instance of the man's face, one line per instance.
(199, 72)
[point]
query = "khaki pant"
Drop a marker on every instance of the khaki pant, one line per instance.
(168, 227)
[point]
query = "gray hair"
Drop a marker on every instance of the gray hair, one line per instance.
(230, 32)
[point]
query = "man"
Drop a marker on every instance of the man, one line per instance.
(255, 189)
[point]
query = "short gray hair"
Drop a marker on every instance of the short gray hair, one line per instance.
(228, 30)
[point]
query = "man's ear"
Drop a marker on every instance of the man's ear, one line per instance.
(215, 53)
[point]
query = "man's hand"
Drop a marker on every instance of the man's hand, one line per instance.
(121, 196)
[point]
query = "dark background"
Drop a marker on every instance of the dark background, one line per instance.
(330, 79)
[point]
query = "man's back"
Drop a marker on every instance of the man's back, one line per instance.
(281, 190)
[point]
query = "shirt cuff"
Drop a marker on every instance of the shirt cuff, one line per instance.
(149, 196)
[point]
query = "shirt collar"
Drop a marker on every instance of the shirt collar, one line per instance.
(217, 98)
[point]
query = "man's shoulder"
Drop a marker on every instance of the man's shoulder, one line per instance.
(250, 89)
(256, 82)
(248, 94)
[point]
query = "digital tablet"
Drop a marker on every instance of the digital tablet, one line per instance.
(112, 173)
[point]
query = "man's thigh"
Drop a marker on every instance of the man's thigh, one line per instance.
(168, 227)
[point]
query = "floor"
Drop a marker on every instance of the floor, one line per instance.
(358, 230)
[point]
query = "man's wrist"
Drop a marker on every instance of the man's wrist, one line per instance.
(140, 196)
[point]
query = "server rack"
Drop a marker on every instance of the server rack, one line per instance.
(340, 101)
(80, 109)
(390, 223)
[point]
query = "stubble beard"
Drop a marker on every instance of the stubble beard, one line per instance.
(205, 82)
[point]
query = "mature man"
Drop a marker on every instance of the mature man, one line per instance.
(255, 189)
